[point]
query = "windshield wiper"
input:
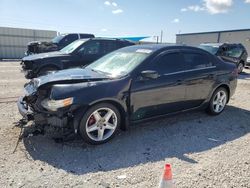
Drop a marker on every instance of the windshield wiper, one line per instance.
(102, 72)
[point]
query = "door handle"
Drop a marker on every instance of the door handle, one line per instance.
(179, 82)
(211, 76)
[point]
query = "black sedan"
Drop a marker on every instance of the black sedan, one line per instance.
(79, 53)
(129, 85)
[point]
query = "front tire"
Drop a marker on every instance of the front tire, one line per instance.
(100, 123)
(218, 101)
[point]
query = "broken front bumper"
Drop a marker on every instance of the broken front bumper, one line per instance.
(40, 117)
(24, 110)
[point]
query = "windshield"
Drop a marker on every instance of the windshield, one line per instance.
(118, 63)
(72, 46)
(212, 49)
(57, 38)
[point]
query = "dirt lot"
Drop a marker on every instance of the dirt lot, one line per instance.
(204, 151)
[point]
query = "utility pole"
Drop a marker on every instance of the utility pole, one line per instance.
(161, 35)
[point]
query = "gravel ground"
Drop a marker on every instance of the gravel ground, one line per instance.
(204, 151)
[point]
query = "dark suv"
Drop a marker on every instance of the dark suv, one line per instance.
(55, 44)
(78, 53)
(235, 53)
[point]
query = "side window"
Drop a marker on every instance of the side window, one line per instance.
(196, 60)
(69, 39)
(170, 63)
(91, 48)
(108, 46)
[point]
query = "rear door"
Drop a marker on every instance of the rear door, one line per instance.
(108, 46)
(162, 95)
(200, 76)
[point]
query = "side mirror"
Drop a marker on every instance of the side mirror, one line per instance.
(150, 74)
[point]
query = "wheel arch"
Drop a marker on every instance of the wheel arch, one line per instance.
(122, 110)
(49, 66)
(118, 105)
(227, 88)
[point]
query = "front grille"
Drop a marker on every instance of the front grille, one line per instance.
(26, 65)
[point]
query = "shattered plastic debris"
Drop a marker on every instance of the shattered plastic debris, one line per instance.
(121, 177)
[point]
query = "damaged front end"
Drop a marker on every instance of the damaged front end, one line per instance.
(62, 98)
(36, 47)
(26, 68)
(37, 106)
(55, 99)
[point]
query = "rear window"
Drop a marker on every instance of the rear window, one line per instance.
(170, 63)
(233, 51)
(196, 60)
(58, 38)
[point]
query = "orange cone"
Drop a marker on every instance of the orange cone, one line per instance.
(166, 181)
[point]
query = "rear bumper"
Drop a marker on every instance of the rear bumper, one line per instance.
(40, 118)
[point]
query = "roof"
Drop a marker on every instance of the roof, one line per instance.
(106, 38)
(158, 47)
(211, 32)
(212, 44)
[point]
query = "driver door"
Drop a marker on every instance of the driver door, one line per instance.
(163, 94)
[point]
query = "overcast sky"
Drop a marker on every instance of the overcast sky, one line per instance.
(127, 17)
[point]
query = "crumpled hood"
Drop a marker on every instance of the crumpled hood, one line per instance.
(67, 76)
(44, 56)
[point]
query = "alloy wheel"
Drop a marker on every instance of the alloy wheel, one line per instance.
(219, 101)
(101, 124)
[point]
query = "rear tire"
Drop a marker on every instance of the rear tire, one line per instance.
(100, 123)
(218, 101)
